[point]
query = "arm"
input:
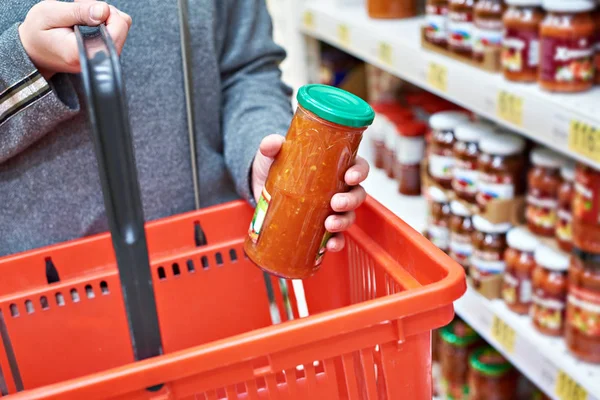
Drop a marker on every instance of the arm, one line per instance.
(256, 103)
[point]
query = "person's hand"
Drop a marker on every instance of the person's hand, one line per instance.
(48, 38)
(343, 203)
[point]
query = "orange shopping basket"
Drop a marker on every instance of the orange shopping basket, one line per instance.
(66, 328)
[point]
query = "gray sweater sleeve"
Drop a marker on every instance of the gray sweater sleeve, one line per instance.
(256, 103)
(30, 106)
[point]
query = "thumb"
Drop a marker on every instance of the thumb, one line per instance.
(271, 145)
(269, 148)
(58, 14)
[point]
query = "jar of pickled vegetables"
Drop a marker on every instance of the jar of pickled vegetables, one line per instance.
(287, 235)
(491, 377)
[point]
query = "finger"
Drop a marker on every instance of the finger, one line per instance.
(336, 243)
(340, 223)
(357, 173)
(117, 27)
(343, 202)
(58, 14)
(271, 145)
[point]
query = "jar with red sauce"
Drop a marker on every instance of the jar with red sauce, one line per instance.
(521, 40)
(487, 33)
(549, 290)
(461, 233)
(395, 116)
(596, 17)
(466, 153)
(441, 146)
(491, 377)
(460, 26)
(564, 214)
(287, 235)
(583, 306)
(436, 22)
(543, 181)
(567, 46)
(489, 245)
(410, 150)
(517, 287)
(438, 231)
(391, 9)
(586, 209)
(501, 166)
(378, 130)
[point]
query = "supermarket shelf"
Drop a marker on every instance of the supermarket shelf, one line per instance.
(394, 46)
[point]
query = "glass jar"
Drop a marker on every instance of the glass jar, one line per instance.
(458, 341)
(461, 233)
(439, 218)
(549, 290)
(567, 46)
(582, 331)
(543, 181)
(586, 209)
(378, 130)
(390, 9)
(460, 26)
(410, 150)
(436, 22)
(517, 288)
(487, 27)
(287, 235)
(501, 163)
(489, 245)
(491, 377)
(521, 40)
(395, 116)
(596, 17)
(466, 154)
(564, 215)
(441, 155)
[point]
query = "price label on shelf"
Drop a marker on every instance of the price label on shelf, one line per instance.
(437, 76)
(503, 334)
(509, 107)
(568, 389)
(308, 19)
(584, 139)
(386, 53)
(343, 34)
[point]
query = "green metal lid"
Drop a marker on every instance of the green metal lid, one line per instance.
(336, 105)
(488, 361)
(458, 334)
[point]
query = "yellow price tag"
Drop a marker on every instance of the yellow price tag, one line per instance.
(308, 19)
(503, 334)
(437, 76)
(386, 53)
(510, 108)
(568, 389)
(343, 34)
(585, 140)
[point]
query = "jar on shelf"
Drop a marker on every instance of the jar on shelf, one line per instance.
(395, 116)
(517, 288)
(521, 40)
(436, 22)
(410, 150)
(458, 341)
(460, 26)
(441, 154)
(549, 290)
(567, 46)
(391, 9)
(596, 17)
(582, 331)
(491, 377)
(543, 181)
(564, 215)
(466, 154)
(489, 245)
(586, 209)
(378, 130)
(501, 166)
(461, 233)
(439, 218)
(488, 27)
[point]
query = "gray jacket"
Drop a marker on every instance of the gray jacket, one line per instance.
(49, 186)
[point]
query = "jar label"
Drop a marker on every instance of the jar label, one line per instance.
(488, 262)
(436, 23)
(460, 27)
(259, 216)
(491, 187)
(583, 311)
(410, 150)
(440, 167)
(461, 248)
(547, 310)
(564, 230)
(486, 34)
(465, 177)
(322, 248)
(520, 49)
(586, 201)
(567, 59)
(541, 210)
(439, 236)
(516, 289)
